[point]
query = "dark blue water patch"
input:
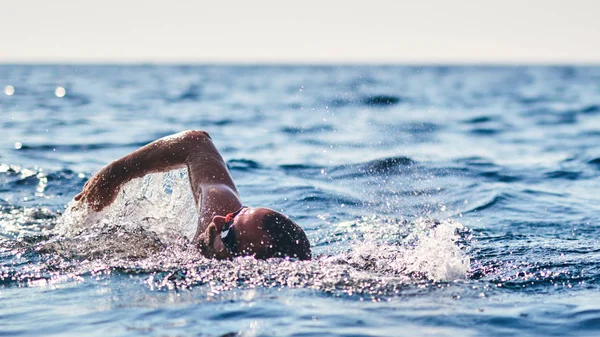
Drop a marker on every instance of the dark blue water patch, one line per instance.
(10, 181)
(566, 72)
(531, 100)
(192, 93)
(316, 172)
(221, 122)
(590, 109)
(588, 135)
(307, 130)
(520, 208)
(387, 165)
(587, 319)
(63, 182)
(595, 162)
(495, 201)
(550, 116)
(499, 176)
(539, 193)
(480, 120)
(26, 181)
(339, 102)
(322, 200)
(48, 189)
(384, 166)
(421, 129)
(243, 165)
(375, 101)
(476, 162)
(563, 174)
(130, 106)
(558, 119)
(381, 100)
(486, 131)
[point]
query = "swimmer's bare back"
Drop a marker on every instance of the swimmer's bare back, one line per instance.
(212, 186)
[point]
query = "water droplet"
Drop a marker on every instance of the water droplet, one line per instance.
(9, 90)
(60, 92)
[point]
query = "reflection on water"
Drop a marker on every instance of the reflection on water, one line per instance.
(438, 200)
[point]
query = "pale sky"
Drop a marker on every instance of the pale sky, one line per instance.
(300, 31)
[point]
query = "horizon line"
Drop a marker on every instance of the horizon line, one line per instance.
(304, 63)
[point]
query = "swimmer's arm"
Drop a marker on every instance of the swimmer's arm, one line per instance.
(193, 149)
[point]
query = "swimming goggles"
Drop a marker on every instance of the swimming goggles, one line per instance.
(227, 235)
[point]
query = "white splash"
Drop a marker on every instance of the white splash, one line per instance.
(398, 247)
(160, 202)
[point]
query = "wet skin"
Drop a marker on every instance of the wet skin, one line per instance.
(251, 238)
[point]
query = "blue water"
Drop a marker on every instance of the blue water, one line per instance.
(439, 201)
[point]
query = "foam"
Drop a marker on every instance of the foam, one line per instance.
(423, 247)
(149, 226)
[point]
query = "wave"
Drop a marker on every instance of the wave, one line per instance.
(147, 232)
(590, 109)
(371, 100)
(480, 120)
(563, 174)
(381, 100)
(390, 255)
(307, 130)
(595, 161)
(37, 183)
(486, 131)
(243, 164)
(383, 166)
(78, 147)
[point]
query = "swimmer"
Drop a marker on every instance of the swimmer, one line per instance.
(226, 228)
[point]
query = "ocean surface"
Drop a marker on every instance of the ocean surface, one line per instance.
(439, 201)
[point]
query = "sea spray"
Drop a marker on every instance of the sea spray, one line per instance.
(147, 230)
(160, 202)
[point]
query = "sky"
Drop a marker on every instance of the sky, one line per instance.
(305, 31)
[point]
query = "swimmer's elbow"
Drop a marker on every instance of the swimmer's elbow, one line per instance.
(196, 145)
(195, 135)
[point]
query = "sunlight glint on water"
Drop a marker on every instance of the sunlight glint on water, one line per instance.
(445, 201)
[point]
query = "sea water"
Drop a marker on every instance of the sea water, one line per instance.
(439, 201)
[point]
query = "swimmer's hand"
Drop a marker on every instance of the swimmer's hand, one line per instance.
(102, 189)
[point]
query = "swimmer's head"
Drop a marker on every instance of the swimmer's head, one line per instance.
(259, 232)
